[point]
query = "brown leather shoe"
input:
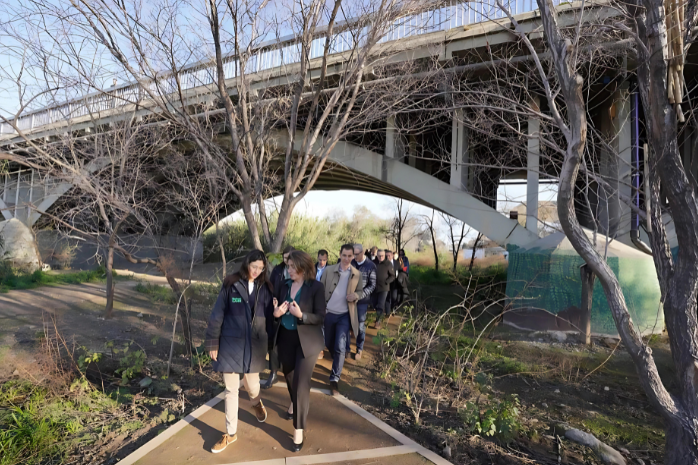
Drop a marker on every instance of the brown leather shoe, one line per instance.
(260, 412)
(358, 355)
(223, 443)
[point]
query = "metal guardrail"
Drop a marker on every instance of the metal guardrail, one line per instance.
(269, 57)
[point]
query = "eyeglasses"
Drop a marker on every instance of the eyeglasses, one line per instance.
(256, 268)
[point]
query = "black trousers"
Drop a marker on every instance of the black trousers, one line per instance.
(298, 371)
(273, 361)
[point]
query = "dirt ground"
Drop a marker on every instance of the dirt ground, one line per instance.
(549, 377)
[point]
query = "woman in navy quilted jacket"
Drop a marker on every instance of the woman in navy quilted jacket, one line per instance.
(236, 338)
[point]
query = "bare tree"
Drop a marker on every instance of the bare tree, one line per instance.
(476, 242)
(429, 224)
(403, 227)
(661, 34)
(457, 233)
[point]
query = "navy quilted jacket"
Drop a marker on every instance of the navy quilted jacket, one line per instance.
(233, 329)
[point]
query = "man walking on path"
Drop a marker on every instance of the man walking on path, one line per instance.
(343, 288)
(368, 273)
(321, 264)
(279, 275)
(385, 275)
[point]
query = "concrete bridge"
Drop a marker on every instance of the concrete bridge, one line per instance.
(447, 181)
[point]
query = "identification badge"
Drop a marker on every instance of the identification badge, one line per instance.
(237, 300)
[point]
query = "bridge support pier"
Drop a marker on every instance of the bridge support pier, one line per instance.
(460, 154)
(616, 168)
(533, 171)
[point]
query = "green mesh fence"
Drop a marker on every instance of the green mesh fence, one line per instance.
(548, 278)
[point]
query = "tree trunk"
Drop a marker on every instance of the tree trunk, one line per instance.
(110, 282)
(251, 223)
(186, 313)
(220, 244)
(472, 256)
(681, 446)
(285, 214)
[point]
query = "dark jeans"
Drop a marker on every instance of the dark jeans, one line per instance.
(336, 337)
(380, 304)
(298, 371)
(362, 310)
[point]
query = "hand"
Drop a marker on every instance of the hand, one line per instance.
(213, 354)
(280, 310)
(352, 298)
(296, 310)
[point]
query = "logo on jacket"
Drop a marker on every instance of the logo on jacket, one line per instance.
(237, 300)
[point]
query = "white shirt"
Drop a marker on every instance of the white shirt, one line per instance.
(250, 286)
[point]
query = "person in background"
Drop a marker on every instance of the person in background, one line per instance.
(391, 301)
(405, 262)
(402, 281)
(278, 275)
(374, 255)
(368, 271)
(322, 257)
(236, 338)
(320, 267)
(299, 312)
(343, 288)
(385, 275)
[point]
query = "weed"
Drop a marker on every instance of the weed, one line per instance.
(131, 364)
(11, 279)
(499, 420)
(157, 293)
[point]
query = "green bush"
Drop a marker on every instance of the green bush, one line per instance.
(157, 293)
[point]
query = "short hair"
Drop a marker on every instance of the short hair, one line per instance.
(402, 251)
(323, 252)
(379, 251)
(288, 249)
(388, 251)
(303, 263)
(359, 246)
(347, 247)
(374, 247)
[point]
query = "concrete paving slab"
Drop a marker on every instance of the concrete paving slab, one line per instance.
(405, 459)
(332, 428)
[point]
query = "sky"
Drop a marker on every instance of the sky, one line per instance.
(328, 203)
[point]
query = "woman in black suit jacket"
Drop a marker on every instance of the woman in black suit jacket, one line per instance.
(299, 313)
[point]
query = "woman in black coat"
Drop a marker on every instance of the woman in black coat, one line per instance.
(299, 313)
(236, 338)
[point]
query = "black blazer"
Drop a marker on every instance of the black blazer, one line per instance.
(313, 306)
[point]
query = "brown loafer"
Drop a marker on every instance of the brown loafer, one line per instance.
(223, 443)
(260, 412)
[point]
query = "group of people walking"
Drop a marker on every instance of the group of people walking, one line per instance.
(292, 314)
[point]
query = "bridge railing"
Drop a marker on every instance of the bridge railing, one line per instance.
(270, 56)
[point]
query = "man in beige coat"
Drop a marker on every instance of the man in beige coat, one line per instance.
(343, 288)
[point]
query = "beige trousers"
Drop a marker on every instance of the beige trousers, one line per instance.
(232, 389)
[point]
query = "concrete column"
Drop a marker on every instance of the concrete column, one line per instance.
(616, 167)
(390, 138)
(533, 170)
(460, 153)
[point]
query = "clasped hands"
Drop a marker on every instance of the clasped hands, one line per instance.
(292, 307)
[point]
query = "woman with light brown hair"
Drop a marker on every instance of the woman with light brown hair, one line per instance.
(299, 313)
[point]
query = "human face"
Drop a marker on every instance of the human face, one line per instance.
(286, 255)
(347, 256)
(359, 254)
(293, 272)
(381, 255)
(389, 256)
(322, 260)
(255, 269)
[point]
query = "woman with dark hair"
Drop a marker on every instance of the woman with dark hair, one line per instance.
(236, 338)
(403, 292)
(298, 335)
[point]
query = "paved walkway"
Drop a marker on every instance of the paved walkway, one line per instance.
(338, 432)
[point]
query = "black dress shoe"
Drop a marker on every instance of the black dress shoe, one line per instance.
(298, 447)
(334, 387)
(270, 381)
(289, 416)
